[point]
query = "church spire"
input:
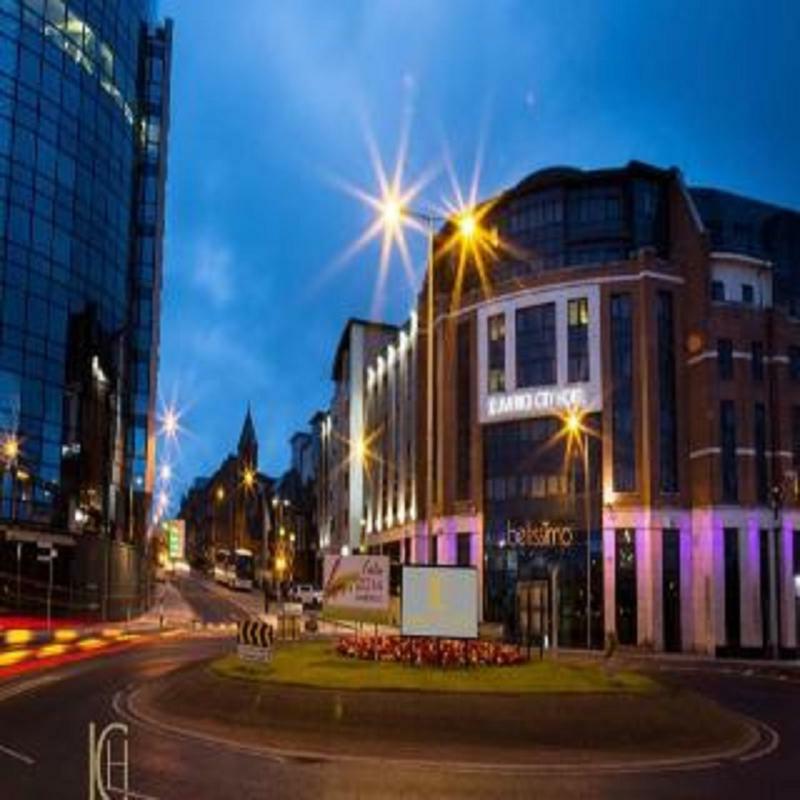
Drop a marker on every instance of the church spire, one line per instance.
(248, 442)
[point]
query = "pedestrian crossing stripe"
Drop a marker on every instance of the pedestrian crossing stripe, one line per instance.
(255, 633)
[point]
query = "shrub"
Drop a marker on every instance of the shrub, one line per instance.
(428, 651)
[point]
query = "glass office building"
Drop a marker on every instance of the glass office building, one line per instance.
(84, 99)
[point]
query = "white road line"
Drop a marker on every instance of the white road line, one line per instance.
(130, 793)
(19, 756)
(28, 686)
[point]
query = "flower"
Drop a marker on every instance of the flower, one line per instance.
(429, 651)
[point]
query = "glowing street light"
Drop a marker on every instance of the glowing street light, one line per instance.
(11, 447)
(468, 225)
(220, 494)
(578, 434)
(170, 423)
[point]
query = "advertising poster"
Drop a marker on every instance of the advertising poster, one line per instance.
(356, 587)
(440, 601)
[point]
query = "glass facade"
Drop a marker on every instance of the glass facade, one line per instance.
(530, 483)
(83, 121)
(667, 395)
(623, 444)
(536, 345)
(497, 353)
(578, 340)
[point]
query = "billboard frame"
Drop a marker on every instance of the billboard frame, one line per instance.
(469, 567)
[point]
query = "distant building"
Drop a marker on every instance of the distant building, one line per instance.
(343, 436)
(84, 123)
(295, 508)
(231, 508)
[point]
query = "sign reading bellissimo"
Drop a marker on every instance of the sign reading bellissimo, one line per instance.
(541, 534)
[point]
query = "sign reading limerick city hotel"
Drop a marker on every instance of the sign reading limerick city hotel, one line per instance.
(440, 601)
(356, 586)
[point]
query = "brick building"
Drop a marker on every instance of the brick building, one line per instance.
(230, 509)
(665, 319)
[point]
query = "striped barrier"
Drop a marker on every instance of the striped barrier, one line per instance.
(255, 633)
(254, 640)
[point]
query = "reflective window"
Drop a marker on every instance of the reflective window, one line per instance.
(578, 340)
(727, 421)
(497, 353)
(624, 446)
(536, 345)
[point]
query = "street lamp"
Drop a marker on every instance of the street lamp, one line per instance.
(392, 214)
(578, 434)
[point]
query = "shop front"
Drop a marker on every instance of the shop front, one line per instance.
(538, 577)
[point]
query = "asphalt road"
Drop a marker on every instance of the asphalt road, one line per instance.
(44, 753)
(210, 604)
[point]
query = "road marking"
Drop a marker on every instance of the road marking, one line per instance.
(28, 686)
(19, 756)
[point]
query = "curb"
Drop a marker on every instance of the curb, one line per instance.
(762, 741)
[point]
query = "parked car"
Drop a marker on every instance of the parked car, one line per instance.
(306, 594)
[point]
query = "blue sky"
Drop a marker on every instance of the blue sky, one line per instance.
(272, 98)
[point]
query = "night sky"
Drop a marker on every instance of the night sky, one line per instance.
(272, 100)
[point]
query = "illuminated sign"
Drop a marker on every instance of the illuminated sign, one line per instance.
(541, 534)
(440, 601)
(532, 401)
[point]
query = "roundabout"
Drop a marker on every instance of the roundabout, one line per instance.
(602, 721)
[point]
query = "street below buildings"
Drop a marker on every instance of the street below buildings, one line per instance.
(44, 723)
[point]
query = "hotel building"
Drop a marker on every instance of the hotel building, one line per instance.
(667, 318)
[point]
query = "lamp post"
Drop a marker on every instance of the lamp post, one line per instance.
(578, 433)
(392, 214)
(773, 571)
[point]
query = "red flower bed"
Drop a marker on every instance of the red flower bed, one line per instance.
(427, 651)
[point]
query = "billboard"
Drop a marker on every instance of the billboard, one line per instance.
(175, 535)
(356, 584)
(440, 601)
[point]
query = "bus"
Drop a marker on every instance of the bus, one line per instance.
(241, 570)
(221, 558)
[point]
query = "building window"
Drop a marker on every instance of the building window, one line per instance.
(760, 440)
(578, 340)
(718, 291)
(794, 363)
(748, 294)
(497, 353)
(727, 422)
(725, 359)
(464, 409)
(758, 361)
(667, 402)
(625, 586)
(733, 610)
(796, 437)
(536, 345)
(624, 448)
(463, 552)
(433, 551)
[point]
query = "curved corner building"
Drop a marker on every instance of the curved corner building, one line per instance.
(84, 99)
(668, 318)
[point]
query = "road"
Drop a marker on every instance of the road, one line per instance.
(44, 729)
